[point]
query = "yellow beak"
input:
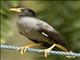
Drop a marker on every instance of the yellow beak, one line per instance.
(16, 9)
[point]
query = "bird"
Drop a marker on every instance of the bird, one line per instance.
(38, 31)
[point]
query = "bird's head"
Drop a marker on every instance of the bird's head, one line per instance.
(24, 12)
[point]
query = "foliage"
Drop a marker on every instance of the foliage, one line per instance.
(5, 16)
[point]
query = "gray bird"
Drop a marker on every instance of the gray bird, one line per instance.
(38, 31)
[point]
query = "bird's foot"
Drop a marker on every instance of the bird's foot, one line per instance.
(46, 52)
(23, 49)
(70, 56)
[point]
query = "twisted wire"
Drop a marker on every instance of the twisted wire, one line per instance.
(34, 50)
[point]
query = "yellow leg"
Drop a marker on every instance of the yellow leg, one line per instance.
(46, 51)
(23, 49)
(62, 47)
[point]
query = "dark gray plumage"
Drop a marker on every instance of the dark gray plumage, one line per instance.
(38, 31)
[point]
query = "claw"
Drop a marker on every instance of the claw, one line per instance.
(23, 49)
(71, 56)
(46, 51)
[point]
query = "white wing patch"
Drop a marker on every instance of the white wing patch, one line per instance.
(44, 34)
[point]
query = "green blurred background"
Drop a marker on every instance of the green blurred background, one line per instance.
(63, 15)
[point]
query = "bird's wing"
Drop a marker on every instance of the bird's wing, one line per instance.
(51, 33)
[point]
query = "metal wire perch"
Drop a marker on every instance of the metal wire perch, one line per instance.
(34, 50)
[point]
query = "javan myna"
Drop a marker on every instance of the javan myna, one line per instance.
(38, 31)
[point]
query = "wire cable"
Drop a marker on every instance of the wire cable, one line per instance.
(34, 50)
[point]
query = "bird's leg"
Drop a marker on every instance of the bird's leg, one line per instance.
(23, 49)
(50, 48)
(62, 47)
